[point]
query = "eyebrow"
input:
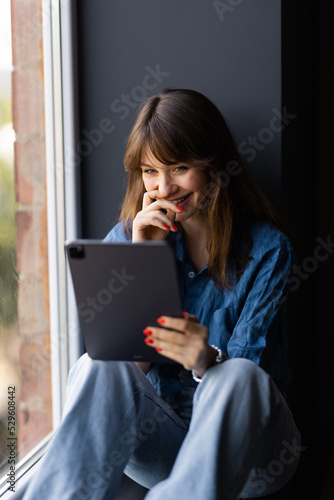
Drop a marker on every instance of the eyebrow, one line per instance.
(153, 166)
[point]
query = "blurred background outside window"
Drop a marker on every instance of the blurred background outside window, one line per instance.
(24, 286)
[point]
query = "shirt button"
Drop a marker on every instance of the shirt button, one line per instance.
(191, 274)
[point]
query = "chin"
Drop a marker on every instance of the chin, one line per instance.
(184, 216)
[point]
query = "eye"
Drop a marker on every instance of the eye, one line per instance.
(149, 171)
(181, 168)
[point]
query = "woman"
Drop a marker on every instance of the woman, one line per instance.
(214, 425)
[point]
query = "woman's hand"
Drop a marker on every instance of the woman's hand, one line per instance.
(151, 223)
(184, 340)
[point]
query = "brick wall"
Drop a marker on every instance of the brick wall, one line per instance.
(34, 398)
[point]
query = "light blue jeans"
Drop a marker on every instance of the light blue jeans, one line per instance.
(241, 442)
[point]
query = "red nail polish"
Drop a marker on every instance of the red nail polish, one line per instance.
(149, 341)
(180, 208)
(161, 321)
(167, 227)
(147, 332)
(185, 313)
(158, 349)
(175, 227)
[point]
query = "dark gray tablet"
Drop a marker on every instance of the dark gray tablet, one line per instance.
(120, 288)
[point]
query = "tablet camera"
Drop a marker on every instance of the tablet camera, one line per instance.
(77, 252)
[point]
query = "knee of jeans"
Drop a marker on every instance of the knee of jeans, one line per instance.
(245, 368)
(240, 368)
(240, 374)
(103, 372)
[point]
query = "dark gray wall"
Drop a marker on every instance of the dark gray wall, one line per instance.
(233, 56)
(236, 61)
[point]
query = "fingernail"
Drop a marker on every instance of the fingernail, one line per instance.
(185, 313)
(158, 349)
(161, 321)
(180, 208)
(147, 331)
(149, 341)
(167, 227)
(175, 227)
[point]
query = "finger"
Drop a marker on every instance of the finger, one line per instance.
(189, 355)
(189, 346)
(187, 350)
(150, 201)
(169, 206)
(149, 198)
(171, 216)
(168, 218)
(157, 219)
(155, 335)
(186, 325)
(175, 356)
(189, 316)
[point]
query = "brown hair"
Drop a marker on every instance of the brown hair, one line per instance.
(183, 126)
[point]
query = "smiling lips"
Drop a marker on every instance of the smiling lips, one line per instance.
(180, 200)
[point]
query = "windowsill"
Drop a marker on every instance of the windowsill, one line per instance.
(24, 471)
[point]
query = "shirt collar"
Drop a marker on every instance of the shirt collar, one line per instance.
(177, 242)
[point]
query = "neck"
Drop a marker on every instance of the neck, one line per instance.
(195, 233)
(196, 238)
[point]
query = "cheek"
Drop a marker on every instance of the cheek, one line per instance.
(199, 182)
(149, 184)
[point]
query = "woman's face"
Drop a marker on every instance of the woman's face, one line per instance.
(181, 183)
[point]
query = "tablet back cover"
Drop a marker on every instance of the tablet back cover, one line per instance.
(120, 289)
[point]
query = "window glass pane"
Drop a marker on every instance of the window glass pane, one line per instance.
(24, 285)
(9, 340)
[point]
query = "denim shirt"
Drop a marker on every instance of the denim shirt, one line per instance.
(245, 321)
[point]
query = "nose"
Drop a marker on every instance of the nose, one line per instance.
(166, 186)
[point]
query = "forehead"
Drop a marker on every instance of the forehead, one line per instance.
(162, 152)
(149, 160)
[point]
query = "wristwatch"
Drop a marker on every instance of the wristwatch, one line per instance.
(220, 358)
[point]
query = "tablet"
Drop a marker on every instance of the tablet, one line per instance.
(121, 288)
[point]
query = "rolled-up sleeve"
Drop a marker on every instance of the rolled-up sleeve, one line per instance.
(259, 331)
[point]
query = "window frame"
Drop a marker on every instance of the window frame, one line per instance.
(63, 185)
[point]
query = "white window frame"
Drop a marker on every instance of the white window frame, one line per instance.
(63, 181)
(63, 202)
